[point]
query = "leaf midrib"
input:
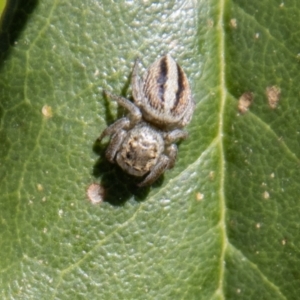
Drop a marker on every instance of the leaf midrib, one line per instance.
(223, 92)
(220, 142)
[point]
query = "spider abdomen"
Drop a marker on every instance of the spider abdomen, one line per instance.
(167, 101)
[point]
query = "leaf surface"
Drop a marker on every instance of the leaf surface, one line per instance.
(223, 224)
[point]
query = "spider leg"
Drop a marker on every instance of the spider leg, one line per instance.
(115, 127)
(171, 153)
(175, 135)
(189, 112)
(158, 169)
(136, 83)
(114, 145)
(134, 112)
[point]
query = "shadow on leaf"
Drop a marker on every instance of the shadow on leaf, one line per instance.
(119, 186)
(13, 21)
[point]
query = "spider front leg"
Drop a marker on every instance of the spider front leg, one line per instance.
(135, 114)
(114, 145)
(136, 83)
(175, 135)
(157, 170)
(115, 127)
(117, 136)
(171, 152)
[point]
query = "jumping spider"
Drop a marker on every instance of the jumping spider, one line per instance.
(144, 141)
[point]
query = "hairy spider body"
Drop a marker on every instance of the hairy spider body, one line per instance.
(140, 150)
(143, 143)
(164, 96)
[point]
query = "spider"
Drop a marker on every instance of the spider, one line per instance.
(143, 142)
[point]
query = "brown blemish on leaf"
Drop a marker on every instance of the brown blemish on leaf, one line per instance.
(266, 195)
(60, 213)
(47, 111)
(199, 196)
(233, 23)
(95, 193)
(273, 95)
(211, 175)
(244, 102)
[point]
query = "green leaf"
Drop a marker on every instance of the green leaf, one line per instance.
(223, 224)
(2, 6)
